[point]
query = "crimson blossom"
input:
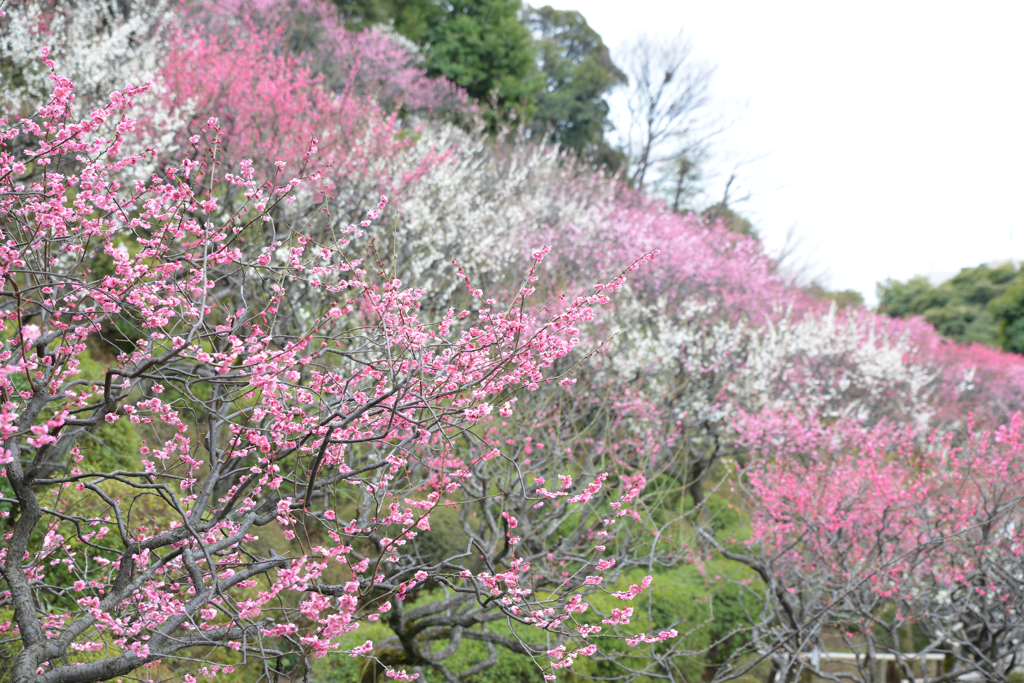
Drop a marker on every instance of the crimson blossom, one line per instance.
(286, 387)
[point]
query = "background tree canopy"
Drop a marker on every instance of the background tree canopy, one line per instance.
(549, 72)
(578, 72)
(480, 45)
(548, 65)
(963, 308)
(1008, 311)
(666, 419)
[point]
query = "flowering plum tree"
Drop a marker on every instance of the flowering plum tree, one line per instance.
(273, 73)
(100, 45)
(711, 355)
(341, 428)
(339, 418)
(967, 599)
(376, 62)
(832, 534)
(869, 543)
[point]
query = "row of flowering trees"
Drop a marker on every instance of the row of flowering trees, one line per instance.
(889, 548)
(283, 381)
(375, 371)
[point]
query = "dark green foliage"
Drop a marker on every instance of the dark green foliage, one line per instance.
(447, 537)
(723, 516)
(712, 599)
(958, 308)
(843, 298)
(706, 601)
(732, 220)
(121, 332)
(578, 72)
(1008, 312)
(358, 14)
(686, 174)
(478, 44)
(481, 46)
(510, 666)
(413, 18)
(547, 65)
(111, 447)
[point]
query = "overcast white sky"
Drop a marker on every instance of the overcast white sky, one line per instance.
(890, 134)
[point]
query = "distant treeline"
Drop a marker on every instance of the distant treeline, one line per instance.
(983, 304)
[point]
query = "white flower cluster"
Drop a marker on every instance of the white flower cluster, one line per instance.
(101, 45)
(835, 365)
(488, 205)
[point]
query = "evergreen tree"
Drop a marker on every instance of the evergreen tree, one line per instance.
(481, 46)
(578, 73)
(958, 308)
(1008, 312)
